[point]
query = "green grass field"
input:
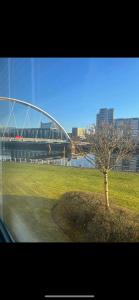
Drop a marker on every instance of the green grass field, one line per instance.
(30, 191)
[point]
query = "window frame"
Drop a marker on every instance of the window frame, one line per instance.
(5, 234)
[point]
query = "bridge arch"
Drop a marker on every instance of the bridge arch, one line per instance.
(39, 110)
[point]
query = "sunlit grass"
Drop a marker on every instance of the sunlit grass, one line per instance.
(53, 181)
(36, 188)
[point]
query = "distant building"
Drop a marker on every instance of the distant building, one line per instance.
(48, 125)
(105, 115)
(132, 123)
(91, 129)
(46, 133)
(78, 132)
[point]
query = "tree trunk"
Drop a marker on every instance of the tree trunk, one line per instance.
(106, 189)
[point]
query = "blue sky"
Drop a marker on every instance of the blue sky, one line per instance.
(74, 89)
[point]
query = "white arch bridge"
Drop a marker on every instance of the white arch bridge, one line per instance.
(38, 109)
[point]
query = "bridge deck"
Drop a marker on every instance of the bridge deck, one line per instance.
(7, 139)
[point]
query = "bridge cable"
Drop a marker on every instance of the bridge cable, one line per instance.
(36, 136)
(27, 112)
(12, 108)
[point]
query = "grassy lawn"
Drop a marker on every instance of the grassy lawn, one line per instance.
(30, 191)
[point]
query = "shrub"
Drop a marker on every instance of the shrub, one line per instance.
(83, 216)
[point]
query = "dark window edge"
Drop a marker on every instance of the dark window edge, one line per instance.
(5, 235)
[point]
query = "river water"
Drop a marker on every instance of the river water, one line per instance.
(75, 161)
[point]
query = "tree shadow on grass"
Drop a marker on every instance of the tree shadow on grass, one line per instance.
(29, 219)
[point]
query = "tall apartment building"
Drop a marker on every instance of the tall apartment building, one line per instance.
(132, 123)
(105, 115)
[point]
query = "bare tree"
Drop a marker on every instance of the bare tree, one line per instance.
(109, 145)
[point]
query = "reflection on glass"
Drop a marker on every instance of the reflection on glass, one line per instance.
(1, 203)
(38, 163)
(28, 137)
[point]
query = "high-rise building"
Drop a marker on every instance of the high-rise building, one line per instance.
(105, 115)
(132, 123)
